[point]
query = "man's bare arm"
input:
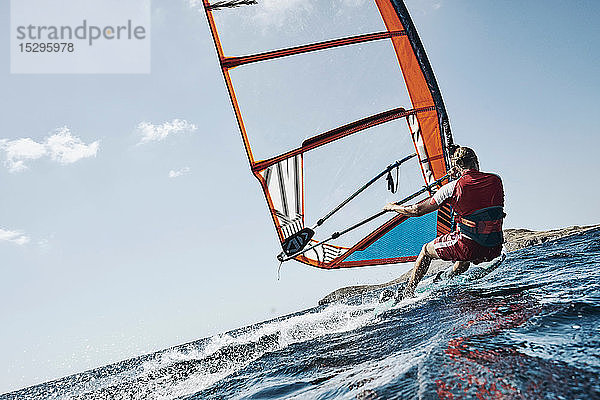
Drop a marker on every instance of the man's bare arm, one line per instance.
(416, 210)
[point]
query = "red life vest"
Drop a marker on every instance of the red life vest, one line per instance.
(478, 201)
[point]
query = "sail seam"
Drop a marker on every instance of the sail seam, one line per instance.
(343, 131)
(232, 62)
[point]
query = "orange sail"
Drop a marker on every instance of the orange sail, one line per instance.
(318, 91)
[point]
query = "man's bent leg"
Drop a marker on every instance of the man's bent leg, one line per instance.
(460, 267)
(420, 269)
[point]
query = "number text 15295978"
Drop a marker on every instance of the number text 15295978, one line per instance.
(46, 47)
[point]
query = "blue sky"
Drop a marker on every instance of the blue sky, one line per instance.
(113, 245)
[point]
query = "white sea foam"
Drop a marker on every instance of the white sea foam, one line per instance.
(336, 318)
(187, 370)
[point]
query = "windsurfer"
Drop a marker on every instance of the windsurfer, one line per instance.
(477, 199)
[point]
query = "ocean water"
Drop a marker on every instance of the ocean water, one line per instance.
(528, 330)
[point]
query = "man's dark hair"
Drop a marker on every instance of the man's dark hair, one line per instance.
(465, 158)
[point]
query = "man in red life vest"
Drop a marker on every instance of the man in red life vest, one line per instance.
(477, 199)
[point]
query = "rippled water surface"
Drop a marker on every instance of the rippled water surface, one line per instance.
(529, 329)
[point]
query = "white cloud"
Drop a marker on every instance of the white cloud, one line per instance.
(13, 237)
(20, 150)
(67, 149)
(156, 133)
(61, 147)
(179, 172)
